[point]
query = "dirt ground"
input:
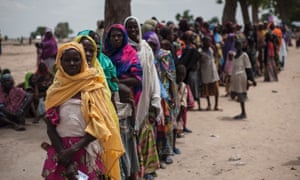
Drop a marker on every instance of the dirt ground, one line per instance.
(265, 146)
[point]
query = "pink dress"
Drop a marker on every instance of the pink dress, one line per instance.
(70, 126)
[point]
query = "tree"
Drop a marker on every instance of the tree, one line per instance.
(116, 11)
(214, 20)
(185, 15)
(229, 11)
(244, 7)
(62, 30)
(40, 31)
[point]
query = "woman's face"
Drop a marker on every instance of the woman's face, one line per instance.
(71, 62)
(116, 38)
(96, 38)
(132, 29)
(89, 49)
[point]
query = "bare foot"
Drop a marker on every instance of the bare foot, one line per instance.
(218, 109)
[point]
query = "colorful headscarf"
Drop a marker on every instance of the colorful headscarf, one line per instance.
(124, 58)
(108, 67)
(94, 107)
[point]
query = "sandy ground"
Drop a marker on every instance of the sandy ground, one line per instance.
(265, 146)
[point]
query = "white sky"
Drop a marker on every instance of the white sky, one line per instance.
(21, 17)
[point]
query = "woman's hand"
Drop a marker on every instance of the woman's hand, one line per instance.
(124, 93)
(71, 172)
(65, 156)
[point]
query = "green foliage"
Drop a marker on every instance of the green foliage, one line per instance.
(185, 15)
(214, 20)
(40, 31)
(265, 17)
(62, 30)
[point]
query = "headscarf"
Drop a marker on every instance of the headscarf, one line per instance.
(151, 89)
(149, 25)
(108, 67)
(27, 80)
(124, 58)
(151, 36)
(95, 63)
(14, 99)
(164, 64)
(94, 107)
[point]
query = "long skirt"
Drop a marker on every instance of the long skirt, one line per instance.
(129, 161)
(164, 133)
(147, 146)
(52, 170)
(270, 73)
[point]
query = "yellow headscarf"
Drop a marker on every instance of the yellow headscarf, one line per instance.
(94, 107)
(95, 63)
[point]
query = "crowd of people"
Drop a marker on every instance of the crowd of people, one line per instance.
(114, 106)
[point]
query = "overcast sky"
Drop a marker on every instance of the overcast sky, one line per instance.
(21, 17)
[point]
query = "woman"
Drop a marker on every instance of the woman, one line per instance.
(270, 71)
(129, 74)
(49, 50)
(190, 58)
(14, 102)
(149, 106)
(82, 132)
(108, 68)
(165, 67)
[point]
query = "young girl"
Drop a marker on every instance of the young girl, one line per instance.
(228, 71)
(241, 73)
(181, 101)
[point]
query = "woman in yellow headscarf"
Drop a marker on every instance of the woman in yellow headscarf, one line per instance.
(90, 49)
(85, 139)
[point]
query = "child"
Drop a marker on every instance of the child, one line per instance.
(241, 73)
(181, 101)
(228, 71)
(209, 74)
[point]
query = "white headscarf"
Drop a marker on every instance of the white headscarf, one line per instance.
(151, 89)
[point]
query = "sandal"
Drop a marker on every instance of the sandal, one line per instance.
(168, 160)
(148, 177)
(176, 151)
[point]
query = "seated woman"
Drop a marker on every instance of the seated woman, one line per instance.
(14, 102)
(84, 137)
(37, 84)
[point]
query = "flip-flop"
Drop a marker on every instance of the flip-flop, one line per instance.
(168, 160)
(176, 151)
(148, 177)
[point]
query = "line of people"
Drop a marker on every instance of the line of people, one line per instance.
(115, 107)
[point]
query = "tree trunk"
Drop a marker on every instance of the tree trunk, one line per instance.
(245, 13)
(255, 13)
(229, 11)
(116, 11)
(282, 10)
